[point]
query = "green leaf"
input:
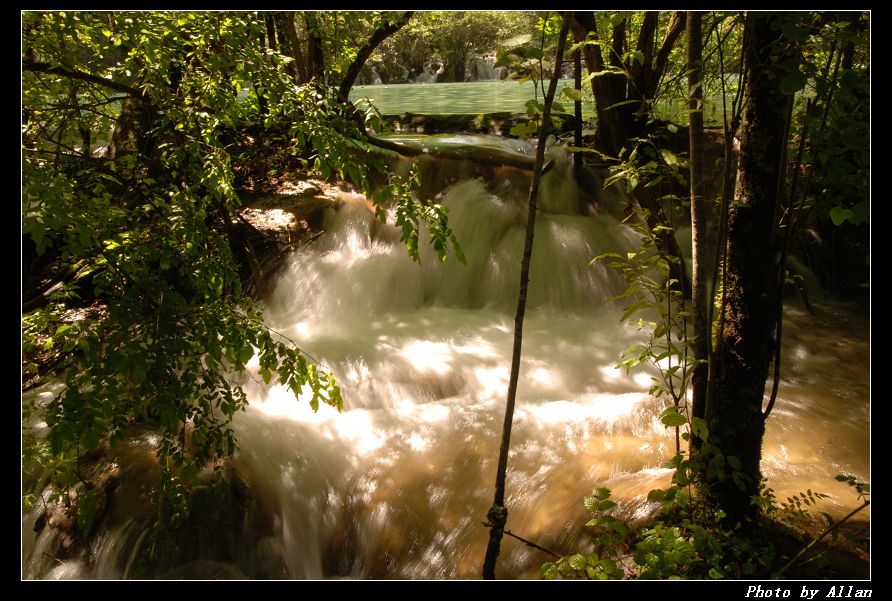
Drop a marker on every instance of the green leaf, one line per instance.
(639, 306)
(524, 130)
(839, 214)
(669, 156)
(602, 493)
(549, 571)
(699, 428)
(577, 561)
(572, 94)
(637, 55)
(672, 418)
(91, 440)
(795, 32)
(793, 82)
(245, 353)
(623, 103)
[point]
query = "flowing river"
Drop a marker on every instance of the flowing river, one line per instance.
(396, 486)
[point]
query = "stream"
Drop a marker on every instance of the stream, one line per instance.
(396, 485)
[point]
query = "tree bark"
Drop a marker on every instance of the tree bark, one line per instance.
(290, 45)
(698, 214)
(270, 31)
(618, 124)
(734, 414)
(646, 43)
(577, 110)
(619, 83)
(676, 26)
(315, 58)
(611, 135)
(498, 514)
(384, 31)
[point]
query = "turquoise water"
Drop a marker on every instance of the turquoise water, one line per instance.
(476, 97)
(464, 98)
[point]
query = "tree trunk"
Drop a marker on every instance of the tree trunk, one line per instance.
(270, 31)
(384, 31)
(618, 83)
(698, 214)
(734, 415)
(315, 58)
(611, 135)
(661, 60)
(290, 44)
(646, 44)
(577, 110)
(498, 514)
(618, 124)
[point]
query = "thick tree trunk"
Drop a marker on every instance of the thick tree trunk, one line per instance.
(698, 214)
(618, 124)
(384, 31)
(498, 514)
(734, 415)
(661, 60)
(315, 58)
(646, 44)
(619, 83)
(577, 111)
(611, 136)
(270, 31)
(290, 44)
(129, 134)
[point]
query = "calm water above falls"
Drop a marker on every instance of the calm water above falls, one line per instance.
(509, 96)
(396, 486)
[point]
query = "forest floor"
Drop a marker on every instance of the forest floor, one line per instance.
(844, 556)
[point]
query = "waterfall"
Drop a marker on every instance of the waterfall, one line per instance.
(397, 484)
(480, 69)
(431, 73)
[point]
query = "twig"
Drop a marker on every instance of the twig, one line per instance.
(528, 543)
(820, 538)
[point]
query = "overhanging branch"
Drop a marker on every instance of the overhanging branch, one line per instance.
(384, 31)
(28, 65)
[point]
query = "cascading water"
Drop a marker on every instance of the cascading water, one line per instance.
(396, 486)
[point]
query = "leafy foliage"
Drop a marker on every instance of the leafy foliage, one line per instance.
(411, 213)
(131, 125)
(652, 293)
(689, 538)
